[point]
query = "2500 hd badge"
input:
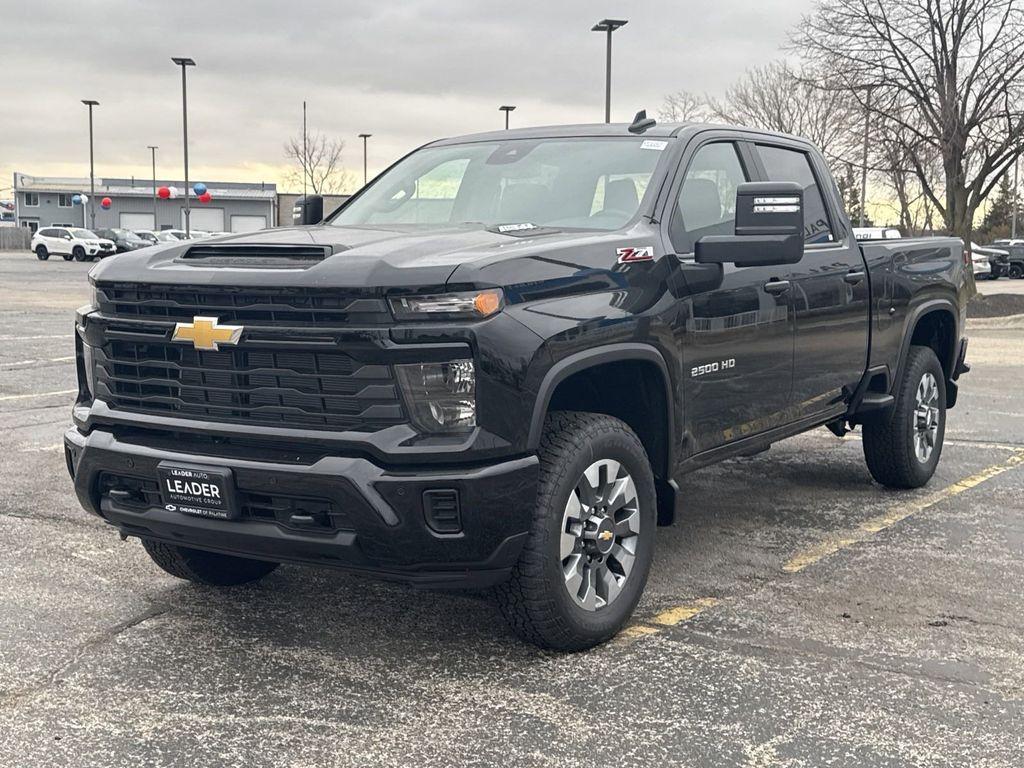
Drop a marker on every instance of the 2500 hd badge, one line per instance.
(499, 389)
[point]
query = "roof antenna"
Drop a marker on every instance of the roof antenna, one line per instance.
(641, 122)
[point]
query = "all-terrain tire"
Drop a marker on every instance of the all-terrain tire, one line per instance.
(535, 601)
(41, 253)
(209, 568)
(889, 444)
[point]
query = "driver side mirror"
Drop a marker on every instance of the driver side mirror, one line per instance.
(308, 210)
(68, 237)
(769, 228)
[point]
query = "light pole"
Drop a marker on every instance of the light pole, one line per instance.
(90, 103)
(609, 26)
(185, 62)
(364, 137)
(864, 157)
(1013, 215)
(506, 108)
(152, 151)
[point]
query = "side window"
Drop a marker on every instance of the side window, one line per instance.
(793, 165)
(58, 232)
(46, 233)
(63, 201)
(707, 198)
(31, 200)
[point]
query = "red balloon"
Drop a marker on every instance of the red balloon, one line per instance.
(106, 202)
(163, 193)
(205, 197)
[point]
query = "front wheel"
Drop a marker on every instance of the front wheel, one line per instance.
(585, 564)
(79, 253)
(1016, 272)
(903, 449)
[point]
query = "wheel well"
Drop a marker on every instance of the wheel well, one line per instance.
(631, 390)
(937, 329)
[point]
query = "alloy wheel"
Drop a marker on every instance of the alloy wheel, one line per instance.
(925, 426)
(600, 533)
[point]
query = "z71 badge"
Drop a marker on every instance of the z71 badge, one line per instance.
(629, 255)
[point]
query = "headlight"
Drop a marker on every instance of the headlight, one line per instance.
(441, 396)
(468, 305)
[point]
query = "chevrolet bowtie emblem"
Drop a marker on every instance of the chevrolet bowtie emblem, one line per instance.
(205, 333)
(605, 535)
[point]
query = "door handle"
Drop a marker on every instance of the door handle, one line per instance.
(853, 277)
(776, 287)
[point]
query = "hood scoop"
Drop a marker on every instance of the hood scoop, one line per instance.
(256, 256)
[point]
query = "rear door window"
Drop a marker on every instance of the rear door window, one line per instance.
(783, 164)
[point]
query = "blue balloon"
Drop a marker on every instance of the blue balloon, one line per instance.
(76, 199)
(199, 189)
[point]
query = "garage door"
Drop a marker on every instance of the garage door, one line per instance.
(240, 223)
(205, 219)
(137, 221)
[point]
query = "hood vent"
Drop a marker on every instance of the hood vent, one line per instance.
(270, 256)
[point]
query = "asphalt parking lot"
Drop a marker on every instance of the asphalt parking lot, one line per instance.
(797, 615)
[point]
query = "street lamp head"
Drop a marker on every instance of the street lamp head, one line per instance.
(506, 108)
(609, 25)
(90, 102)
(183, 61)
(365, 135)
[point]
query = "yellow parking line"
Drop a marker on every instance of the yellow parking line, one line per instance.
(672, 616)
(874, 525)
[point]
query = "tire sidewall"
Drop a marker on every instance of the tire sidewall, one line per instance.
(924, 362)
(42, 253)
(79, 253)
(608, 620)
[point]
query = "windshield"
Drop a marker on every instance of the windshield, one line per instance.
(562, 183)
(83, 234)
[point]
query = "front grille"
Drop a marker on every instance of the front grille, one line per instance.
(264, 306)
(303, 513)
(323, 389)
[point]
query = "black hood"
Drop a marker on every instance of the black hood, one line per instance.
(362, 257)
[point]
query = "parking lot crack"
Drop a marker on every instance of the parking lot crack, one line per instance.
(56, 676)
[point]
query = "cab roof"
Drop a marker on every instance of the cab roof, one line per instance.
(597, 130)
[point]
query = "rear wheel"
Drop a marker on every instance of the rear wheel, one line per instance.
(1016, 272)
(591, 543)
(79, 253)
(208, 568)
(903, 449)
(41, 253)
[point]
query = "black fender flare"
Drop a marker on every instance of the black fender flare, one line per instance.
(609, 353)
(913, 318)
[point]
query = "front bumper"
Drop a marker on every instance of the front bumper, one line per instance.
(381, 525)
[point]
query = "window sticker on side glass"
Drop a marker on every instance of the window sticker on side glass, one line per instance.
(654, 144)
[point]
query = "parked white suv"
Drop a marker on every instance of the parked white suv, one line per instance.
(71, 243)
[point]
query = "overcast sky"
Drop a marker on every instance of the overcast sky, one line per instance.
(406, 72)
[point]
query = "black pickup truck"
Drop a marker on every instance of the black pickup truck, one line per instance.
(488, 367)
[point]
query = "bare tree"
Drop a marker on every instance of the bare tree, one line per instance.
(777, 97)
(319, 164)
(684, 107)
(947, 73)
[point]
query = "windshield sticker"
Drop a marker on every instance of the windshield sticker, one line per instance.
(503, 228)
(653, 144)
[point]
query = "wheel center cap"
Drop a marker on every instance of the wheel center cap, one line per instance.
(604, 537)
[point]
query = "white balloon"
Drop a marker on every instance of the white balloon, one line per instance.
(85, 199)
(174, 192)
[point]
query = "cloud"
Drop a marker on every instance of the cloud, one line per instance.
(406, 72)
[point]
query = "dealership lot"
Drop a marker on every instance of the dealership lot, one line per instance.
(797, 615)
